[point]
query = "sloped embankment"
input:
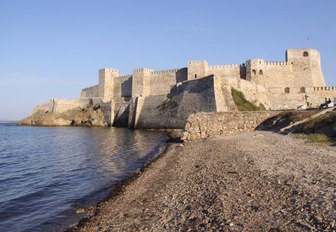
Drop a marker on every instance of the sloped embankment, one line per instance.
(244, 105)
(307, 122)
(88, 116)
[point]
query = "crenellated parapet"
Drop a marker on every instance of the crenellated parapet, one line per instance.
(90, 92)
(168, 71)
(225, 66)
(277, 63)
(142, 70)
(299, 74)
(90, 87)
(325, 88)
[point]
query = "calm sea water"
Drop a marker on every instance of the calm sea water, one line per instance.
(47, 173)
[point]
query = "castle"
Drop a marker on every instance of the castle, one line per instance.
(165, 98)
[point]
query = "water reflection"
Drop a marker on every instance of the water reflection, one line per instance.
(46, 172)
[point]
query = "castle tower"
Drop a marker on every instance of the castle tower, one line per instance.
(306, 66)
(255, 69)
(106, 82)
(197, 69)
(141, 82)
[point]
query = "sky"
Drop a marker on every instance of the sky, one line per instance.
(54, 48)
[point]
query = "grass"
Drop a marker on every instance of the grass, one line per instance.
(317, 138)
(242, 104)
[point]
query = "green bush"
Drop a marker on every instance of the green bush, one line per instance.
(242, 104)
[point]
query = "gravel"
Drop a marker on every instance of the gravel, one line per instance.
(257, 181)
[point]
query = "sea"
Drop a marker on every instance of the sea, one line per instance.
(48, 175)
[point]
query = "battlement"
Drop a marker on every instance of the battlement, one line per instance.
(263, 62)
(255, 62)
(92, 91)
(108, 70)
(197, 62)
(299, 73)
(142, 70)
(90, 87)
(324, 88)
(226, 66)
(277, 63)
(173, 71)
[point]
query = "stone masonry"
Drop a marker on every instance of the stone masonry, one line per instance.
(203, 125)
(296, 82)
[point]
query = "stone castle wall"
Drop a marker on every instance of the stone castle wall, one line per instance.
(172, 110)
(261, 81)
(165, 98)
(269, 74)
(45, 107)
(122, 89)
(316, 95)
(120, 114)
(227, 71)
(92, 91)
(162, 81)
(292, 98)
(61, 105)
(203, 125)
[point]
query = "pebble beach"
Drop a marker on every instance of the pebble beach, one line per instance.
(255, 181)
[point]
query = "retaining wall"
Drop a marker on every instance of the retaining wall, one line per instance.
(211, 124)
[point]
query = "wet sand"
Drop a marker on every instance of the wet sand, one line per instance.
(258, 181)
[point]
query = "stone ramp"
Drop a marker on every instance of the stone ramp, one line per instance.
(290, 128)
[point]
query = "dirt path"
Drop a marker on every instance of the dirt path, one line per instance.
(256, 181)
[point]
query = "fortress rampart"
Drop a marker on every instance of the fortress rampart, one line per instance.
(168, 71)
(92, 91)
(179, 92)
(225, 66)
(266, 80)
(281, 63)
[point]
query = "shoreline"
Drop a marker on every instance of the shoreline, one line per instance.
(250, 181)
(120, 187)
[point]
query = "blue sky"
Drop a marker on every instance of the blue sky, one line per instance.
(54, 48)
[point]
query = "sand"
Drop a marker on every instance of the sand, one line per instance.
(258, 181)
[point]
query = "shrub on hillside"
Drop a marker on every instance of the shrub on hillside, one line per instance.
(243, 104)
